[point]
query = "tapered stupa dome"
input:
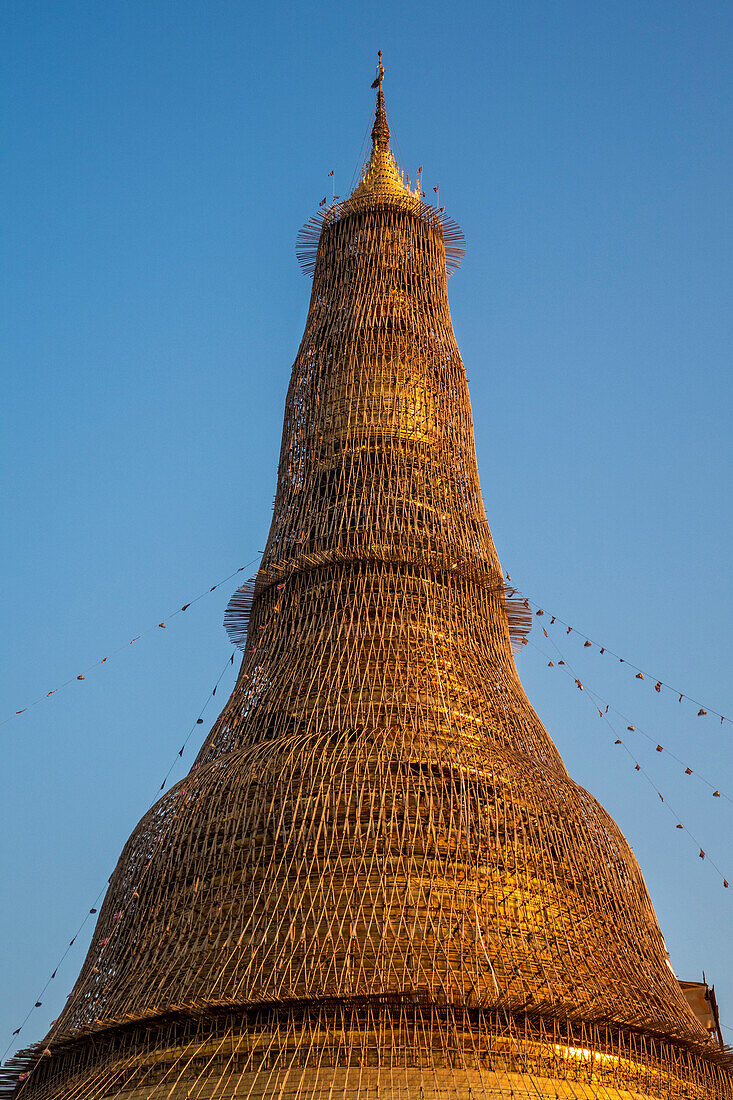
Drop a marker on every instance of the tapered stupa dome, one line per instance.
(378, 879)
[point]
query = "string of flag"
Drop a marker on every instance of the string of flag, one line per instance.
(161, 625)
(631, 728)
(198, 721)
(603, 710)
(94, 908)
(641, 674)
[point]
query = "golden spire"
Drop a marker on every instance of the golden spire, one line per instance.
(380, 129)
(381, 180)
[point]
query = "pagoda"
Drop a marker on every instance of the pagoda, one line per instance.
(378, 879)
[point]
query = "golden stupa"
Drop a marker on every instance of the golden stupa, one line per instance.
(378, 879)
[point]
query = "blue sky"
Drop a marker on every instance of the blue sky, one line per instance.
(159, 160)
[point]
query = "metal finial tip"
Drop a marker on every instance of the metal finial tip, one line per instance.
(380, 130)
(377, 82)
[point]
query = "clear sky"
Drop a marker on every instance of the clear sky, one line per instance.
(159, 159)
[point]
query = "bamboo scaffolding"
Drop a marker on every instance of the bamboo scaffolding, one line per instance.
(378, 878)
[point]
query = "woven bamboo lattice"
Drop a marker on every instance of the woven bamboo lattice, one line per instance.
(377, 879)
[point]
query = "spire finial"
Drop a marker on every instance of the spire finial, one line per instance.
(381, 179)
(380, 130)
